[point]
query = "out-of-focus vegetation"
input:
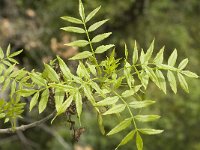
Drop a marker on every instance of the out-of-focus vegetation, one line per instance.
(34, 26)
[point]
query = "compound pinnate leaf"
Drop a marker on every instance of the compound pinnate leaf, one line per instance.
(92, 14)
(115, 109)
(101, 37)
(72, 19)
(82, 55)
(97, 25)
(123, 125)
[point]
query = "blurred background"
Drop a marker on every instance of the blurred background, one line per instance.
(34, 25)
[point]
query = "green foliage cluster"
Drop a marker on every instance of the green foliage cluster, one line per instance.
(95, 81)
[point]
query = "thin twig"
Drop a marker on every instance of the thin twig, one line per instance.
(25, 127)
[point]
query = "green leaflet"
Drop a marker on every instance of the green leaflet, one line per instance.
(172, 59)
(78, 101)
(183, 82)
(65, 105)
(92, 69)
(34, 100)
(150, 131)
(1, 53)
(65, 70)
(123, 125)
(101, 37)
(88, 94)
(172, 81)
(62, 87)
(2, 79)
(73, 29)
(126, 139)
(142, 57)
(43, 100)
(115, 109)
(100, 123)
(146, 118)
(92, 14)
(36, 78)
(16, 53)
(26, 92)
(190, 74)
(72, 19)
(103, 48)
(82, 55)
(79, 43)
(183, 64)
(108, 101)
(159, 57)
(81, 10)
(59, 97)
(139, 141)
(97, 25)
(126, 51)
(131, 92)
(135, 54)
(50, 73)
(82, 71)
(144, 79)
(161, 81)
(141, 104)
(149, 52)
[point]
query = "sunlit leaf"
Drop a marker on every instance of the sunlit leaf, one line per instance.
(97, 25)
(159, 57)
(146, 118)
(172, 81)
(79, 103)
(101, 37)
(150, 131)
(172, 59)
(59, 97)
(108, 101)
(149, 52)
(121, 126)
(36, 78)
(161, 80)
(115, 109)
(183, 64)
(141, 104)
(50, 73)
(100, 123)
(103, 48)
(34, 100)
(135, 54)
(73, 29)
(126, 139)
(72, 19)
(82, 55)
(139, 141)
(190, 74)
(81, 10)
(92, 14)
(64, 68)
(183, 82)
(65, 105)
(44, 100)
(26, 92)
(79, 43)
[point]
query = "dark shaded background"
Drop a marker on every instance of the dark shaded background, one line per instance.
(33, 25)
